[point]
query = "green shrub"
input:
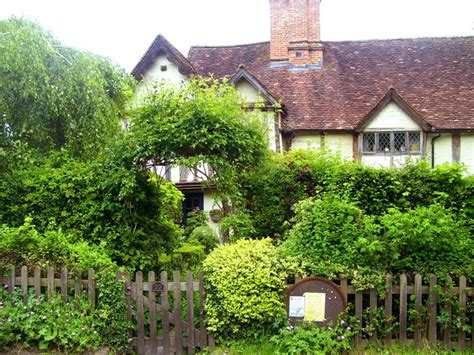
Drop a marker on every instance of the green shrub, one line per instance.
(26, 246)
(331, 236)
(244, 289)
(106, 200)
(111, 310)
(238, 226)
(275, 186)
(47, 324)
(308, 338)
(426, 240)
(205, 236)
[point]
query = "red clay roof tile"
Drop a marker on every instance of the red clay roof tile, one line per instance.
(435, 76)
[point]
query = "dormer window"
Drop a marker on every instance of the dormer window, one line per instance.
(391, 142)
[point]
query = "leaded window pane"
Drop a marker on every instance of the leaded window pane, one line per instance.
(369, 142)
(414, 139)
(399, 143)
(383, 142)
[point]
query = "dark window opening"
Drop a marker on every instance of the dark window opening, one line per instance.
(192, 202)
(298, 54)
(163, 68)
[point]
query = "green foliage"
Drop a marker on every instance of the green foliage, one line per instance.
(426, 240)
(102, 201)
(274, 187)
(25, 245)
(194, 220)
(237, 226)
(111, 311)
(332, 236)
(308, 338)
(222, 132)
(244, 289)
(205, 236)
(53, 96)
(202, 121)
(47, 324)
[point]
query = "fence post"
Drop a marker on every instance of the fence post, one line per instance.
(177, 313)
(37, 281)
(152, 316)
(91, 287)
(462, 312)
(448, 308)
(432, 311)
(50, 282)
(78, 285)
(190, 299)
(165, 314)
(24, 283)
(388, 308)
(373, 310)
(202, 326)
(64, 287)
(403, 309)
(343, 287)
(11, 280)
(418, 285)
(359, 312)
(140, 312)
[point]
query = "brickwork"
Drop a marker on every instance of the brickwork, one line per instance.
(295, 32)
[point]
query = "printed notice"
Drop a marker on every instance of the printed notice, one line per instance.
(314, 306)
(296, 306)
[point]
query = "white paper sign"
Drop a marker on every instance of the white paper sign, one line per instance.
(296, 306)
(315, 306)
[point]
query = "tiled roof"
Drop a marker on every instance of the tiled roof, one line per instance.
(434, 76)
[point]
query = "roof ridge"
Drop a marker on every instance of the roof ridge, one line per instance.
(399, 39)
(230, 46)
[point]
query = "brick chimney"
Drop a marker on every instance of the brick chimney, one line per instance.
(295, 33)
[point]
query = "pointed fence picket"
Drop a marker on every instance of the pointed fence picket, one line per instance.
(168, 310)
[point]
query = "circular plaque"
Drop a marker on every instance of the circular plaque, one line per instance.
(314, 299)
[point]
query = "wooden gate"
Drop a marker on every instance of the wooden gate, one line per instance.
(169, 314)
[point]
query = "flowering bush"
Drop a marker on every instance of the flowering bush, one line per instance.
(47, 324)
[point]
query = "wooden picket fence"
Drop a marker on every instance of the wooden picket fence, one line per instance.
(158, 331)
(169, 314)
(426, 330)
(154, 299)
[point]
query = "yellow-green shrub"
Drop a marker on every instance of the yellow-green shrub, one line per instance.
(244, 287)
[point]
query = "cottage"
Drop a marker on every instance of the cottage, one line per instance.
(381, 102)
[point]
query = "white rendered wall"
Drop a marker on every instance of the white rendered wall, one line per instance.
(311, 141)
(467, 151)
(154, 74)
(251, 95)
(443, 152)
(392, 118)
(340, 144)
(171, 74)
(248, 92)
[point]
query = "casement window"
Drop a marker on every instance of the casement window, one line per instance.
(391, 142)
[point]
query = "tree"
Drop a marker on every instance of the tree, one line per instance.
(52, 96)
(203, 121)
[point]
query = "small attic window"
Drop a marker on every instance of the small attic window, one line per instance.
(298, 54)
(164, 68)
